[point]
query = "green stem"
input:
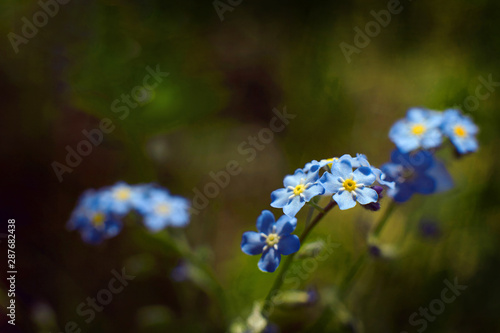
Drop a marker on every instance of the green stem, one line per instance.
(279, 278)
(362, 258)
(344, 286)
(309, 215)
(312, 204)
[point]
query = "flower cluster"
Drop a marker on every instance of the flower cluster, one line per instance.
(413, 166)
(426, 129)
(347, 180)
(418, 172)
(99, 213)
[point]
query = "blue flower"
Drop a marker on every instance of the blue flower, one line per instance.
(122, 198)
(273, 240)
(93, 218)
(180, 272)
(160, 209)
(299, 189)
(349, 187)
(461, 130)
(420, 129)
(429, 229)
(329, 161)
(417, 172)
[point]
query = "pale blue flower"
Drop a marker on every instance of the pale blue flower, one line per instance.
(461, 130)
(349, 187)
(420, 129)
(299, 188)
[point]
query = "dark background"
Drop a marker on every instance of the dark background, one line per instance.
(225, 78)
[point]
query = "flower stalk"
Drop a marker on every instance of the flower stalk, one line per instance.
(280, 277)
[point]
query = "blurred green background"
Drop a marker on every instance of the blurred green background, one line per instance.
(225, 78)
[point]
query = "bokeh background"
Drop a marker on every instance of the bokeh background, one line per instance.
(225, 78)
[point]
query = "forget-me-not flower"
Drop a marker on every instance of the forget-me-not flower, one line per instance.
(420, 129)
(273, 240)
(417, 172)
(299, 189)
(160, 209)
(93, 218)
(121, 198)
(349, 187)
(461, 130)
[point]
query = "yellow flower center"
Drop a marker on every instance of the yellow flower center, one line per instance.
(299, 189)
(272, 239)
(418, 129)
(122, 194)
(98, 220)
(349, 185)
(331, 160)
(162, 209)
(459, 131)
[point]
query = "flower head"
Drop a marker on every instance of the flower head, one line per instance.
(461, 130)
(417, 172)
(273, 239)
(429, 229)
(420, 129)
(93, 218)
(299, 189)
(160, 209)
(349, 187)
(122, 197)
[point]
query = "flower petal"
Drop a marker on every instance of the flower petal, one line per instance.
(279, 198)
(330, 183)
(417, 115)
(364, 175)
(154, 222)
(424, 184)
(313, 191)
(269, 261)
(285, 225)
(293, 207)
(402, 193)
(433, 138)
(289, 244)
(293, 180)
(366, 195)
(252, 243)
(342, 169)
(443, 179)
(265, 222)
(344, 200)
